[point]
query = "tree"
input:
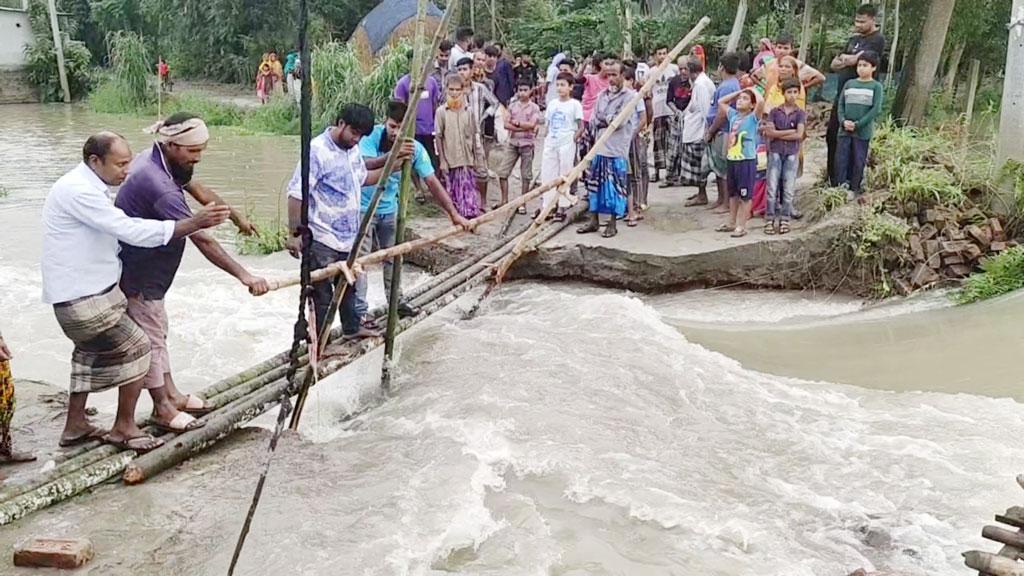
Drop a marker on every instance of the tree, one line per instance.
(912, 98)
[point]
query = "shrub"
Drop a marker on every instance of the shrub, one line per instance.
(272, 236)
(999, 275)
(213, 112)
(830, 198)
(279, 116)
(41, 59)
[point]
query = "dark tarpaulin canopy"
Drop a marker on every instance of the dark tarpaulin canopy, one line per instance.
(389, 15)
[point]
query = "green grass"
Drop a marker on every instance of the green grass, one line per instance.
(213, 112)
(830, 198)
(1000, 274)
(272, 235)
(279, 116)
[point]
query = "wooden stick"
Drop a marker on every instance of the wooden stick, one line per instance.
(1003, 536)
(627, 110)
(363, 262)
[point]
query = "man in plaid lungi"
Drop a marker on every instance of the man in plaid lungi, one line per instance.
(662, 125)
(693, 167)
(677, 99)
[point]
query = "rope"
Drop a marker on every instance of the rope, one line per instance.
(301, 332)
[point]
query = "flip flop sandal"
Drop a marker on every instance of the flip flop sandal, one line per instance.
(183, 422)
(769, 229)
(631, 223)
(16, 457)
(725, 228)
(609, 232)
(140, 444)
(588, 229)
(196, 406)
(521, 210)
(95, 434)
(695, 202)
(784, 228)
(560, 216)
(738, 234)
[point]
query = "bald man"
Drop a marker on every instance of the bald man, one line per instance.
(81, 270)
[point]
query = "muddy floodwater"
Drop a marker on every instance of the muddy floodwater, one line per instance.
(565, 430)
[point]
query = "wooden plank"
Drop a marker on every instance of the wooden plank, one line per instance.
(1014, 516)
(1003, 536)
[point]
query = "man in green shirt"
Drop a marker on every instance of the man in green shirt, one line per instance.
(860, 103)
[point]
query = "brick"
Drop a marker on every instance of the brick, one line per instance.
(950, 259)
(916, 248)
(923, 276)
(65, 553)
(929, 231)
(997, 229)
(972, 253)
(951, 247)
(972, 216)
(932, 217)
(981, 235)
(997, 246)
(959, 270)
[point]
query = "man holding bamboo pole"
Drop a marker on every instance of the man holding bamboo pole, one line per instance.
(381, 233)
(337, 173)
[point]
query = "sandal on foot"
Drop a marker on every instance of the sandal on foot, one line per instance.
(769, 229)
(560, 216)
(521, 210)
(588, 229)
(725, 228)
(696, 202)
(183, 422)
(632, 222)
(195, 405)
(15, 457)
(140, 444)
(96, 433)
(738, 233)
(609, 232)
(784, 228)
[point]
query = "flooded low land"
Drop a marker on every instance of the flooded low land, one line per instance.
(563, 430)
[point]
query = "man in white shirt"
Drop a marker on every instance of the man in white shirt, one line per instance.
(463, 40)
(693, 170)
(662, 126)
(81, 270)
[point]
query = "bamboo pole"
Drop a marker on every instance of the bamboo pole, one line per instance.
(627, 110)
(64, 487)
(805, 32)
(404, 248)
(992, 564)
(417, 80)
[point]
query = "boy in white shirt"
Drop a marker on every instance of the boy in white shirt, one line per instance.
(564, 119)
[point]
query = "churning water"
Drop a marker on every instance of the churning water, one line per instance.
(563, 430)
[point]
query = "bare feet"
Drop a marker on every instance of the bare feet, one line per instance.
(15, 457)
(76, 434)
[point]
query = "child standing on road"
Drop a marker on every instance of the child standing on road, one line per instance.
(785, 128)
(521, 122)
(860, 103)
(741, 155)
(564, 119)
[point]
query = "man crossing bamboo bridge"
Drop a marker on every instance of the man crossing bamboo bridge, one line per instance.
(337, 173)
(154, 189)
(81, 272)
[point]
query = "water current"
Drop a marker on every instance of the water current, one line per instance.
(575, 430)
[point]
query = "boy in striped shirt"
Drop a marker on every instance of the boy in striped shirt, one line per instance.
(860, 103)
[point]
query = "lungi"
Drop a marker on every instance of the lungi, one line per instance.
(662, 131)
(693, 165)
(110, 348)
(608, 185)
(639, 176)
(674, 147)
(6, 406)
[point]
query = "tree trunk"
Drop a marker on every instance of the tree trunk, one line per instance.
(627, 29)
(953, 69)
(805, 32)
(737, 27)
(912, 100)
(892, 49)
(1011, 114)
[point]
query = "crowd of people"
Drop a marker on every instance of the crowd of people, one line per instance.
(107, 265)
(276, 78)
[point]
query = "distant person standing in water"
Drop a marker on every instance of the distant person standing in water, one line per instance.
(7, 453)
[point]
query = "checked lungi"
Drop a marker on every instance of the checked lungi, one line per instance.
(693, 168)
(110, 348)
(675, 147)
(662, 132)
(639, 176)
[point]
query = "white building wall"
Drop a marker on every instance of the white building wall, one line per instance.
(15, 34)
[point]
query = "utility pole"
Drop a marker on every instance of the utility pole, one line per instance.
(58, 46)
(627, 29)
(1011, 115)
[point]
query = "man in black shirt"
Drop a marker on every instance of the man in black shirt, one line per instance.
(867, 39)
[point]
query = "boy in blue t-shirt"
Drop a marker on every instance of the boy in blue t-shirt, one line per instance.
(743, 125)
(381, 234)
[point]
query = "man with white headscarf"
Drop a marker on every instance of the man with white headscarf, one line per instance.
(81, 230)
(154, 189)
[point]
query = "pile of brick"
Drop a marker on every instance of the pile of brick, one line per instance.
(948, 244)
